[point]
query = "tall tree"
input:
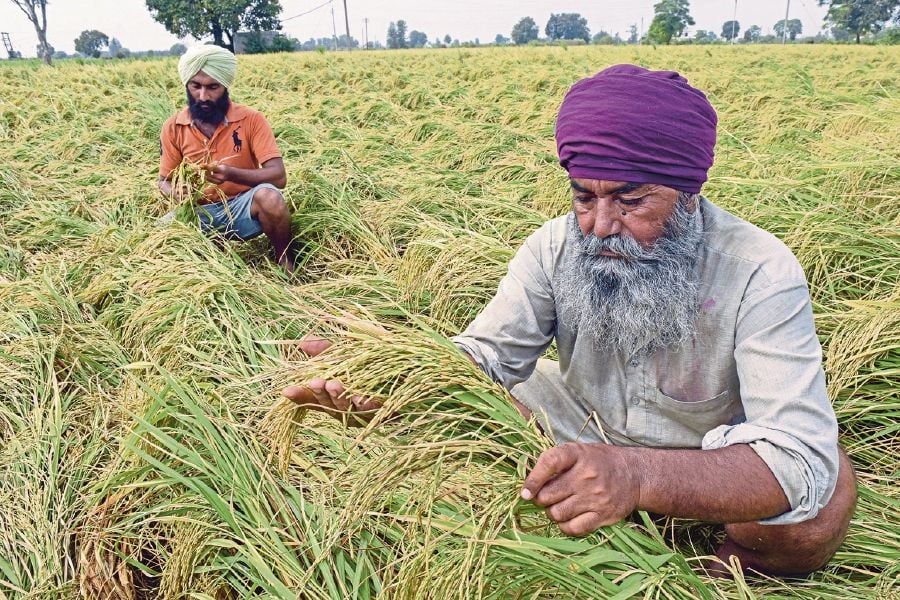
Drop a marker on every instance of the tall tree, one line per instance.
(401, 34)
(91, 42)
(567, 26)
(392, 36)
(861, 16)
(36, 11)
(221, 19)
(524, 31)
(670, 19)
(730, 30)
(794, 28)
(752, 34)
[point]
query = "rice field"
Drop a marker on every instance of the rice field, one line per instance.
(145, 451)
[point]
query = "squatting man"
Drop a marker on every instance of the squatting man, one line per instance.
(689, 380)
(235, 146)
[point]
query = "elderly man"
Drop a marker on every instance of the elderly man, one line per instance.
(689, 380)
(235, 146)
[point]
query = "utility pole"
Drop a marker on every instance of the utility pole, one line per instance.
(366, 34)
(785, 28)
(641, 37)
(347, 25)
(734, 24)
(333, 28)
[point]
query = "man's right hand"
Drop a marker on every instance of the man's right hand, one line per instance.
(329, 396)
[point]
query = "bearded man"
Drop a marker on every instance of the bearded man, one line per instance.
(235, 146)
(689, 380)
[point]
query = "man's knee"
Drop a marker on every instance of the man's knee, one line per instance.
(269, 203)
(805, 547)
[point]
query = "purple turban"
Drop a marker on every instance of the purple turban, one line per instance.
(627, 123)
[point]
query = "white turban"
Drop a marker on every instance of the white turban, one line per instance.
(215, 61)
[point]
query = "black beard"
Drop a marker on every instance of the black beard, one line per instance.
(209, 112)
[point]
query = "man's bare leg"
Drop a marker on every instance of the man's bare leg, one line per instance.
(794, 550)
(271, 210)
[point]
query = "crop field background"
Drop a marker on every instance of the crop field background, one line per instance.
(145, 451)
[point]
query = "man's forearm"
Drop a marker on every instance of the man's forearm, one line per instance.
(729, 485)
(254, 177)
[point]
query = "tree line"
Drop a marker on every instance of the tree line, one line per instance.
(222, 21)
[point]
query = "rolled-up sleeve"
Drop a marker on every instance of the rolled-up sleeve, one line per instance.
(517, 325)
(789, 423)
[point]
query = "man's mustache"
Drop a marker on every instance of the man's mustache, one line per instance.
(626, 247)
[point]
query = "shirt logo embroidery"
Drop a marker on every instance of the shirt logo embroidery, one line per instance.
(238, 144)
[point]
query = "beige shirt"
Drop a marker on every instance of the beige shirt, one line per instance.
(751, 375)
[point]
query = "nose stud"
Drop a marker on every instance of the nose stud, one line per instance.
(624, 213)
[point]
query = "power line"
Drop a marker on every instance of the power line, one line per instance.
(323, 5)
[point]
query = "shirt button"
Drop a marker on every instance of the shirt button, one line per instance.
(635, 401)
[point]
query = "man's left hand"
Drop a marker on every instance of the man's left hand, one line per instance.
(217, 173)
(584, 486)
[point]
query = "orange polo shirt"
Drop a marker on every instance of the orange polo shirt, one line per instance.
(243, 140)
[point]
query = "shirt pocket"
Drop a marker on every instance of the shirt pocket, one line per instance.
(683, 424)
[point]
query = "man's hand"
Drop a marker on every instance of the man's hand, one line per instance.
(329, 396)
(584, 486)
(217, 173)
(166, 189)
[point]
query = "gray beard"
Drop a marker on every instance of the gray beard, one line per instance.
(647, 300)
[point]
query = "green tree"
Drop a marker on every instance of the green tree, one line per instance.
(177, 49)
(567, 26)
(116, 50)
(730, 30)
(603, 38)
(752, 34)
(392, 36)
(860, 17)
(501, 39)
(839, 34)
(524, 31)
(417, 39)
(794, 28)
(704, 37)
(36, 11)
(396, 35)
(91, 42)
(342, 42)
(670, 19)
(221, 19)
(448, 39)
(401, 34)
(633, 34)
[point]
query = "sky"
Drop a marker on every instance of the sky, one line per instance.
(131, 23)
